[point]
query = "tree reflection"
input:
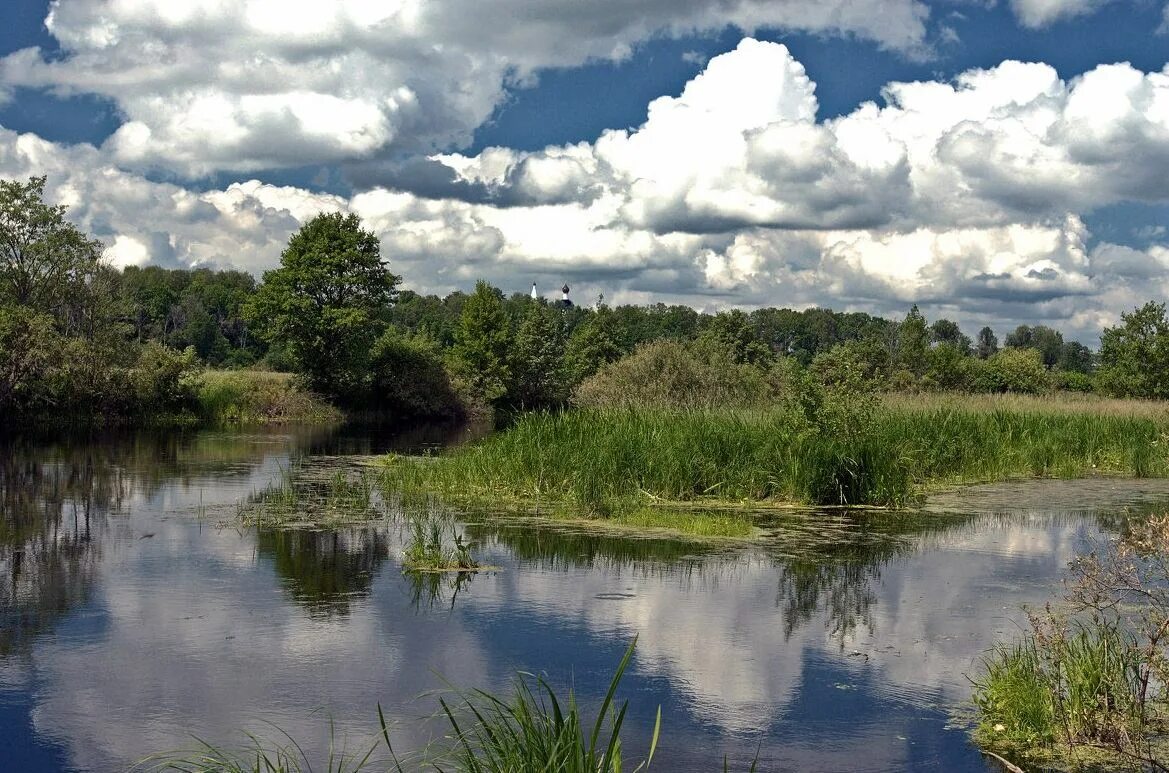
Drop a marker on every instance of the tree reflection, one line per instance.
(52, 507)
(325, 571)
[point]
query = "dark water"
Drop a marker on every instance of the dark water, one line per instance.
(134, 616)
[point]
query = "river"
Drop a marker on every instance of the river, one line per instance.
(137, 615)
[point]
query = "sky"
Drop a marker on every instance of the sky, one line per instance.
(993, 162)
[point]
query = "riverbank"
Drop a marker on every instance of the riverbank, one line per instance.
(255, 397)
(606, 461)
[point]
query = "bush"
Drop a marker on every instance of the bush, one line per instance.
(673, 374)
(1073, 381)
(165, 382)
(1017, 370)
(410, 380)
(259, 397)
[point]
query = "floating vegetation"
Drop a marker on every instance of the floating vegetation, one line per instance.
(429, 550)
(321, 497)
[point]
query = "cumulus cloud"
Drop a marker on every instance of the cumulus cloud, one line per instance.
(212, 85)
(965, 196)
(1041, 13)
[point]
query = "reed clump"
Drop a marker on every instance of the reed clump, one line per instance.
(617, 459)
(255, 397)
(1087, 684)
(429, 550)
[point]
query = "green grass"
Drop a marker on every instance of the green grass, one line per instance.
(428, 550)
(294, 498)
(1065, 700)
(607, 461)
(253, 397)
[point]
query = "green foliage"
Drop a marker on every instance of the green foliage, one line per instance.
(821, 446)
(1134, 356)
(592, 345)
(537, 368)
(29, 349)
(949, 369)
(536, 730)
(327, 303)
(1015, 370)
(731, 334)
(428, 550)
(483, 342)
(248, 397)
(1073, 381)
(945, 331)
(988, 343)
(166, 382)
(410, 379)
(913, 343)
(1049, 343)
(673, 373)
(45, 261)
(1092, 672)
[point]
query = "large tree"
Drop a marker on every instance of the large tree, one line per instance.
(483, 342)
(327, 303)
(1134, 356)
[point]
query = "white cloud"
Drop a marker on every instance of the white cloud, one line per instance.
(212, 85)
(964, 196)
(1041, 13)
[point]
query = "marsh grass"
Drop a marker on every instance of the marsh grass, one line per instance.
(536, 730)
(608, 461)
(429, 550)
(254, 397)
(295, 498)
(532, 729)
(260, 756)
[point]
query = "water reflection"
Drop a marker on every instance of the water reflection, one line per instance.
(52, 509)
(325, 571)
(841, 641)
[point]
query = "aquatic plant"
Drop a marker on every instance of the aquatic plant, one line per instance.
(428, 550)
(297, 497)
(1089, 678)
(616, 460)
(536, 730)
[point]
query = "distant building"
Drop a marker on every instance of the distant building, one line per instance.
(535, 295)
(565, 301)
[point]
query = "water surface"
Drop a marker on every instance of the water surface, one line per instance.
(134, 613)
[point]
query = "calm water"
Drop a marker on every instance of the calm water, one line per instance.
(133, 616)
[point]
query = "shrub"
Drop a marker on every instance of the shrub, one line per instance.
(1017, 370)
(165, 382)
(672, 374)
(1073, 381)
(410, 379)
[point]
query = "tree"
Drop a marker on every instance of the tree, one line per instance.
(946, 331)
(731, 332)
(1017, 370)
(1043, 339)
(327, 303)
(1074, 357)
(1134, 356)
(483, 343)
(591, 345)
(988, 343)
(538, 374)
(913, 342)
(44, 258)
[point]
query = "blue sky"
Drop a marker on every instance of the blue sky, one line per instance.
(857, 154)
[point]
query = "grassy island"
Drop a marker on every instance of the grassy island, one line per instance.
(612, 460)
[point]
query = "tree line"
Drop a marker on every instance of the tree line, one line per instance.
(81, 338)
